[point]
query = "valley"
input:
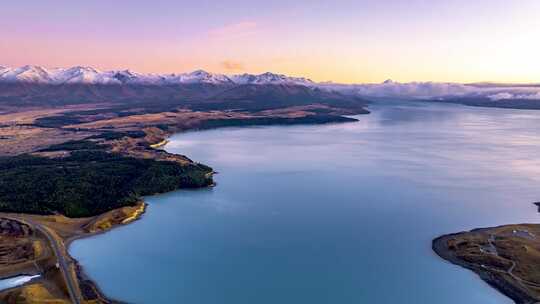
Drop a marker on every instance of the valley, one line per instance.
(91, 156)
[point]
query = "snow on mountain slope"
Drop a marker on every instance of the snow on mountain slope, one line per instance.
(270, 78)
(198, 76)
(83, 75)
(26, 73)
(88, 75)
(389, 88)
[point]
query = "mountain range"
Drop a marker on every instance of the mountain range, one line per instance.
(80, 75)
(89, 75)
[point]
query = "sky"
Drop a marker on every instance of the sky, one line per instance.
(342, 41)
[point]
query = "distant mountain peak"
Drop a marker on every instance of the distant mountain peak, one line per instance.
(83, 68)
(200, 72)
(270, 78)
(388, 88)
(90, 75)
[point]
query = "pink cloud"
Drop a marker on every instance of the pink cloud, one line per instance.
(231, 65)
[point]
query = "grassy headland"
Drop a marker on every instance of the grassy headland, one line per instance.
(506, 257)
(79, 164)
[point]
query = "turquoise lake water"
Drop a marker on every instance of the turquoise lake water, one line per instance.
(340, 213)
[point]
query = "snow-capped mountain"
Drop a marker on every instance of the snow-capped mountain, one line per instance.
(81, 75)
(25, 73)
(388, 88)
(270, 78)
(198, 76)
(88, 75)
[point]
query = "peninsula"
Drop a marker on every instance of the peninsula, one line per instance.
(505, 257)
(76, 160)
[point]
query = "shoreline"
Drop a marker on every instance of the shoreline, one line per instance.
(160, 144)
(70, 240)
(505, 257)
(82, 275)
(102, 157)
(149, 148)
(499, 284)
(82, 278)
(439, 245)
(79, 269)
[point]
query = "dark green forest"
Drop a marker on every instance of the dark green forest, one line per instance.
(269, 121)
(89, 182)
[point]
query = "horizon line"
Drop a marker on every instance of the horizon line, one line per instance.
(104, 70)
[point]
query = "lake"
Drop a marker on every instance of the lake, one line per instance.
(339, 213)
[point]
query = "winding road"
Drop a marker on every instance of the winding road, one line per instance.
(60, 252)
(510, 270)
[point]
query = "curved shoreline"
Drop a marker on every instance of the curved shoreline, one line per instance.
(493, 280)
(81, 274)
(89, 227)
(160, 138)
(438, 246)
(495, 254)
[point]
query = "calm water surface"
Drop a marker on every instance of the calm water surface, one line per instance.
(329, 214)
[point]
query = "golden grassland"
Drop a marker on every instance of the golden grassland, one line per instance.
(506, 257)
(50, 288)
(31, 129)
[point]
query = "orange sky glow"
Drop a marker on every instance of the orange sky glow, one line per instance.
(347, 41)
